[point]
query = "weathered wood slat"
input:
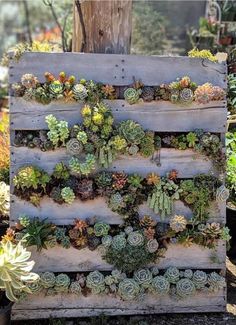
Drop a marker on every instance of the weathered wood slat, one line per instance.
(40, 306)
(119, 69)
(85, 260)
(188, 162)
(162, 116)
(66, 213)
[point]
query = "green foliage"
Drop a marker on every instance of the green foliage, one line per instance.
(58, 130)
(4, 199)
(15, 269)
(68, 195)
(231, 93)
(101, 229)
(31, 177)
(203, 54)
(61, 171)
(147, 147)
(131, 131)
(231, 165)
(83, 168)
(131, 95)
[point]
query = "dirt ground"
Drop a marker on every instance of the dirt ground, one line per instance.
(228, 318)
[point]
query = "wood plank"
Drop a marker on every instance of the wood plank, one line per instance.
(188, 162)
(84, 260)
(66, 213)
(69, 305)
(119, 69)
(162, 116)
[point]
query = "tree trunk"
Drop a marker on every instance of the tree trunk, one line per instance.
(102, 26)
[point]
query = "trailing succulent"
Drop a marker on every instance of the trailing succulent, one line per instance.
(173, 282)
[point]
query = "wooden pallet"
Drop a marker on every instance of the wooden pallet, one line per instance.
(161, 116)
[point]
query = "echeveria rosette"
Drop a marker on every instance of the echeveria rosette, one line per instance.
(74, 147)
(188, 274)
(199, 279)
(62, 283)
(222, 193)
(96, 282)
(68, 195)
(160, 285)
(47, 279)
(216, 281)
(101, 229)
(75, 288)
(185, 288)
(143, 277)
(106, 241)
(35, 286)
(152, 246)
(118, 242)
(172, 274)
(128, 289)
(135, 238)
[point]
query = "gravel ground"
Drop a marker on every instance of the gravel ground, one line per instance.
(228, 318)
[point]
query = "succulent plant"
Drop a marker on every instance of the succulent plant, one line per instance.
(225, 235)
(47, 279)
(192, 139)
(132, 95)
(148, 94)
(74, 147)
(116, 201)
(40, 94)
(135, 181)
(152, 246)
(119, 180)
(186, 96)
(31, 177)
(103, 179)
(118, 143)
(55, 194)
(210, 230)
(174, 95)
(153, 179)
(178, 223)
(216, 281)
(128, 289)
(83, 168)
(118, 242)
(218, 93)
(35, 286)
(160, 285)
(188, 274)
(68, 195)
(109, 92)
(4, 199)
(96, 282)
(204, 93)
(133, 149)
(131, 131)
(15, 271)
(75, 288)
(58, 130)
(24, 221)
(80, 92)
(82, 137)
(28, 80)
(62, 283)
(101, 229)
(143, 277)
(85, 189)
(135, 238)
(203, 54)
(199, 279)
(61, 171)
(147, 147)
(56, 89)
(172, 274)
(106, 240)
(185, 288)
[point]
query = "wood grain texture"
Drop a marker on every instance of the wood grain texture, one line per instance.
(41, 306)
(119, 69)
(162, 116)
(189, 163)
(66, 213)
(85, 260)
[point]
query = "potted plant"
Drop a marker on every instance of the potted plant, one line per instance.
(15, 274)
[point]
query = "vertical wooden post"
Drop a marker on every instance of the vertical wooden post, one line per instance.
(102, 26)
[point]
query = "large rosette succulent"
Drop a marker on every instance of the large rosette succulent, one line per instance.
(62, 283)
(96, 282)
(131, 131)
(185, 288)
(128, 289)
(143, 277)
(172, 274)
(135, 239)
(199, 279)
(48, 279)
(160, 285)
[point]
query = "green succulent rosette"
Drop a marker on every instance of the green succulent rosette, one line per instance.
(128, 289)
(185, 288)
(160, 285)
(101, 229)
(143, 277)
(96, 282)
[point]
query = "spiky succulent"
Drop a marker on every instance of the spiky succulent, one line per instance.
(178, 223)
(128, 289)
(101, 229)
(185, 288)
(132, 95)
(31, 177)
(47, 279)
(74, 147)
(4, 199)
(131, 131)
(62, 283)
(68, 195)
(160, 285)
(96, 282)
(80, 92)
